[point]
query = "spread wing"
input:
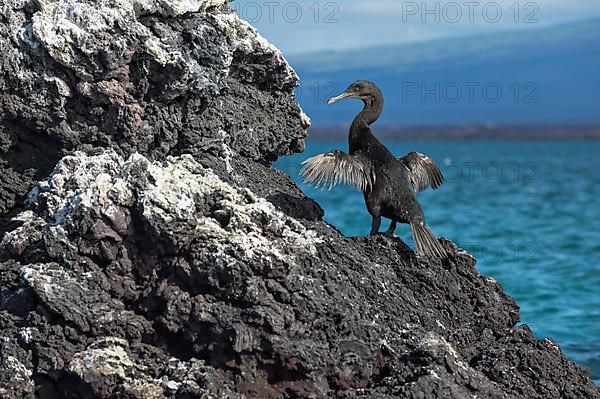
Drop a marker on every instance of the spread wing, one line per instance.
(328, 170)
(422, 171)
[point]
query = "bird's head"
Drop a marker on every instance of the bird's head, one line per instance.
(362, 90)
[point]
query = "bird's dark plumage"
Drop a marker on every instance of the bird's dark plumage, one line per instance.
(389, 184)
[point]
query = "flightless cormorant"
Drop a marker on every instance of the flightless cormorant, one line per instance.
(389, 184)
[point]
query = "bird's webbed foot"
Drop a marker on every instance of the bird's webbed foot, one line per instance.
(391, 230)
(375, 226)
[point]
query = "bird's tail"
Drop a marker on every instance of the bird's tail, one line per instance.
(426, 242)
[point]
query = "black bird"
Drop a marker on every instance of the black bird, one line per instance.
(389, 184)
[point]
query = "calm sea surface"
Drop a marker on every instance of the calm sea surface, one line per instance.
(528, 211)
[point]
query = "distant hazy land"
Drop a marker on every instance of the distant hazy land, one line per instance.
(466, 132)
(545, 76)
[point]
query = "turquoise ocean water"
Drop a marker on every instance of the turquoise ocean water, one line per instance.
(528, 211)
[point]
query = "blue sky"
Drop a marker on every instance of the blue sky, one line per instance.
(308, 25)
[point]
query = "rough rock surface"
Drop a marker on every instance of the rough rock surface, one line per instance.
(153, 76)
(148, 250)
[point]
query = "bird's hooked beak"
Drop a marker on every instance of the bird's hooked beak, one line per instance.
(342, 96)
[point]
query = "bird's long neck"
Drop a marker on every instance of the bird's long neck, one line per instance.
(369, 114)
(371, 111)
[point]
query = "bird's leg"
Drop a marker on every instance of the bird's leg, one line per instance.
(375, 226)
(392, 229)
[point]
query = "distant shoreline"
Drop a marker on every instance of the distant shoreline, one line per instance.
(466, 132)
